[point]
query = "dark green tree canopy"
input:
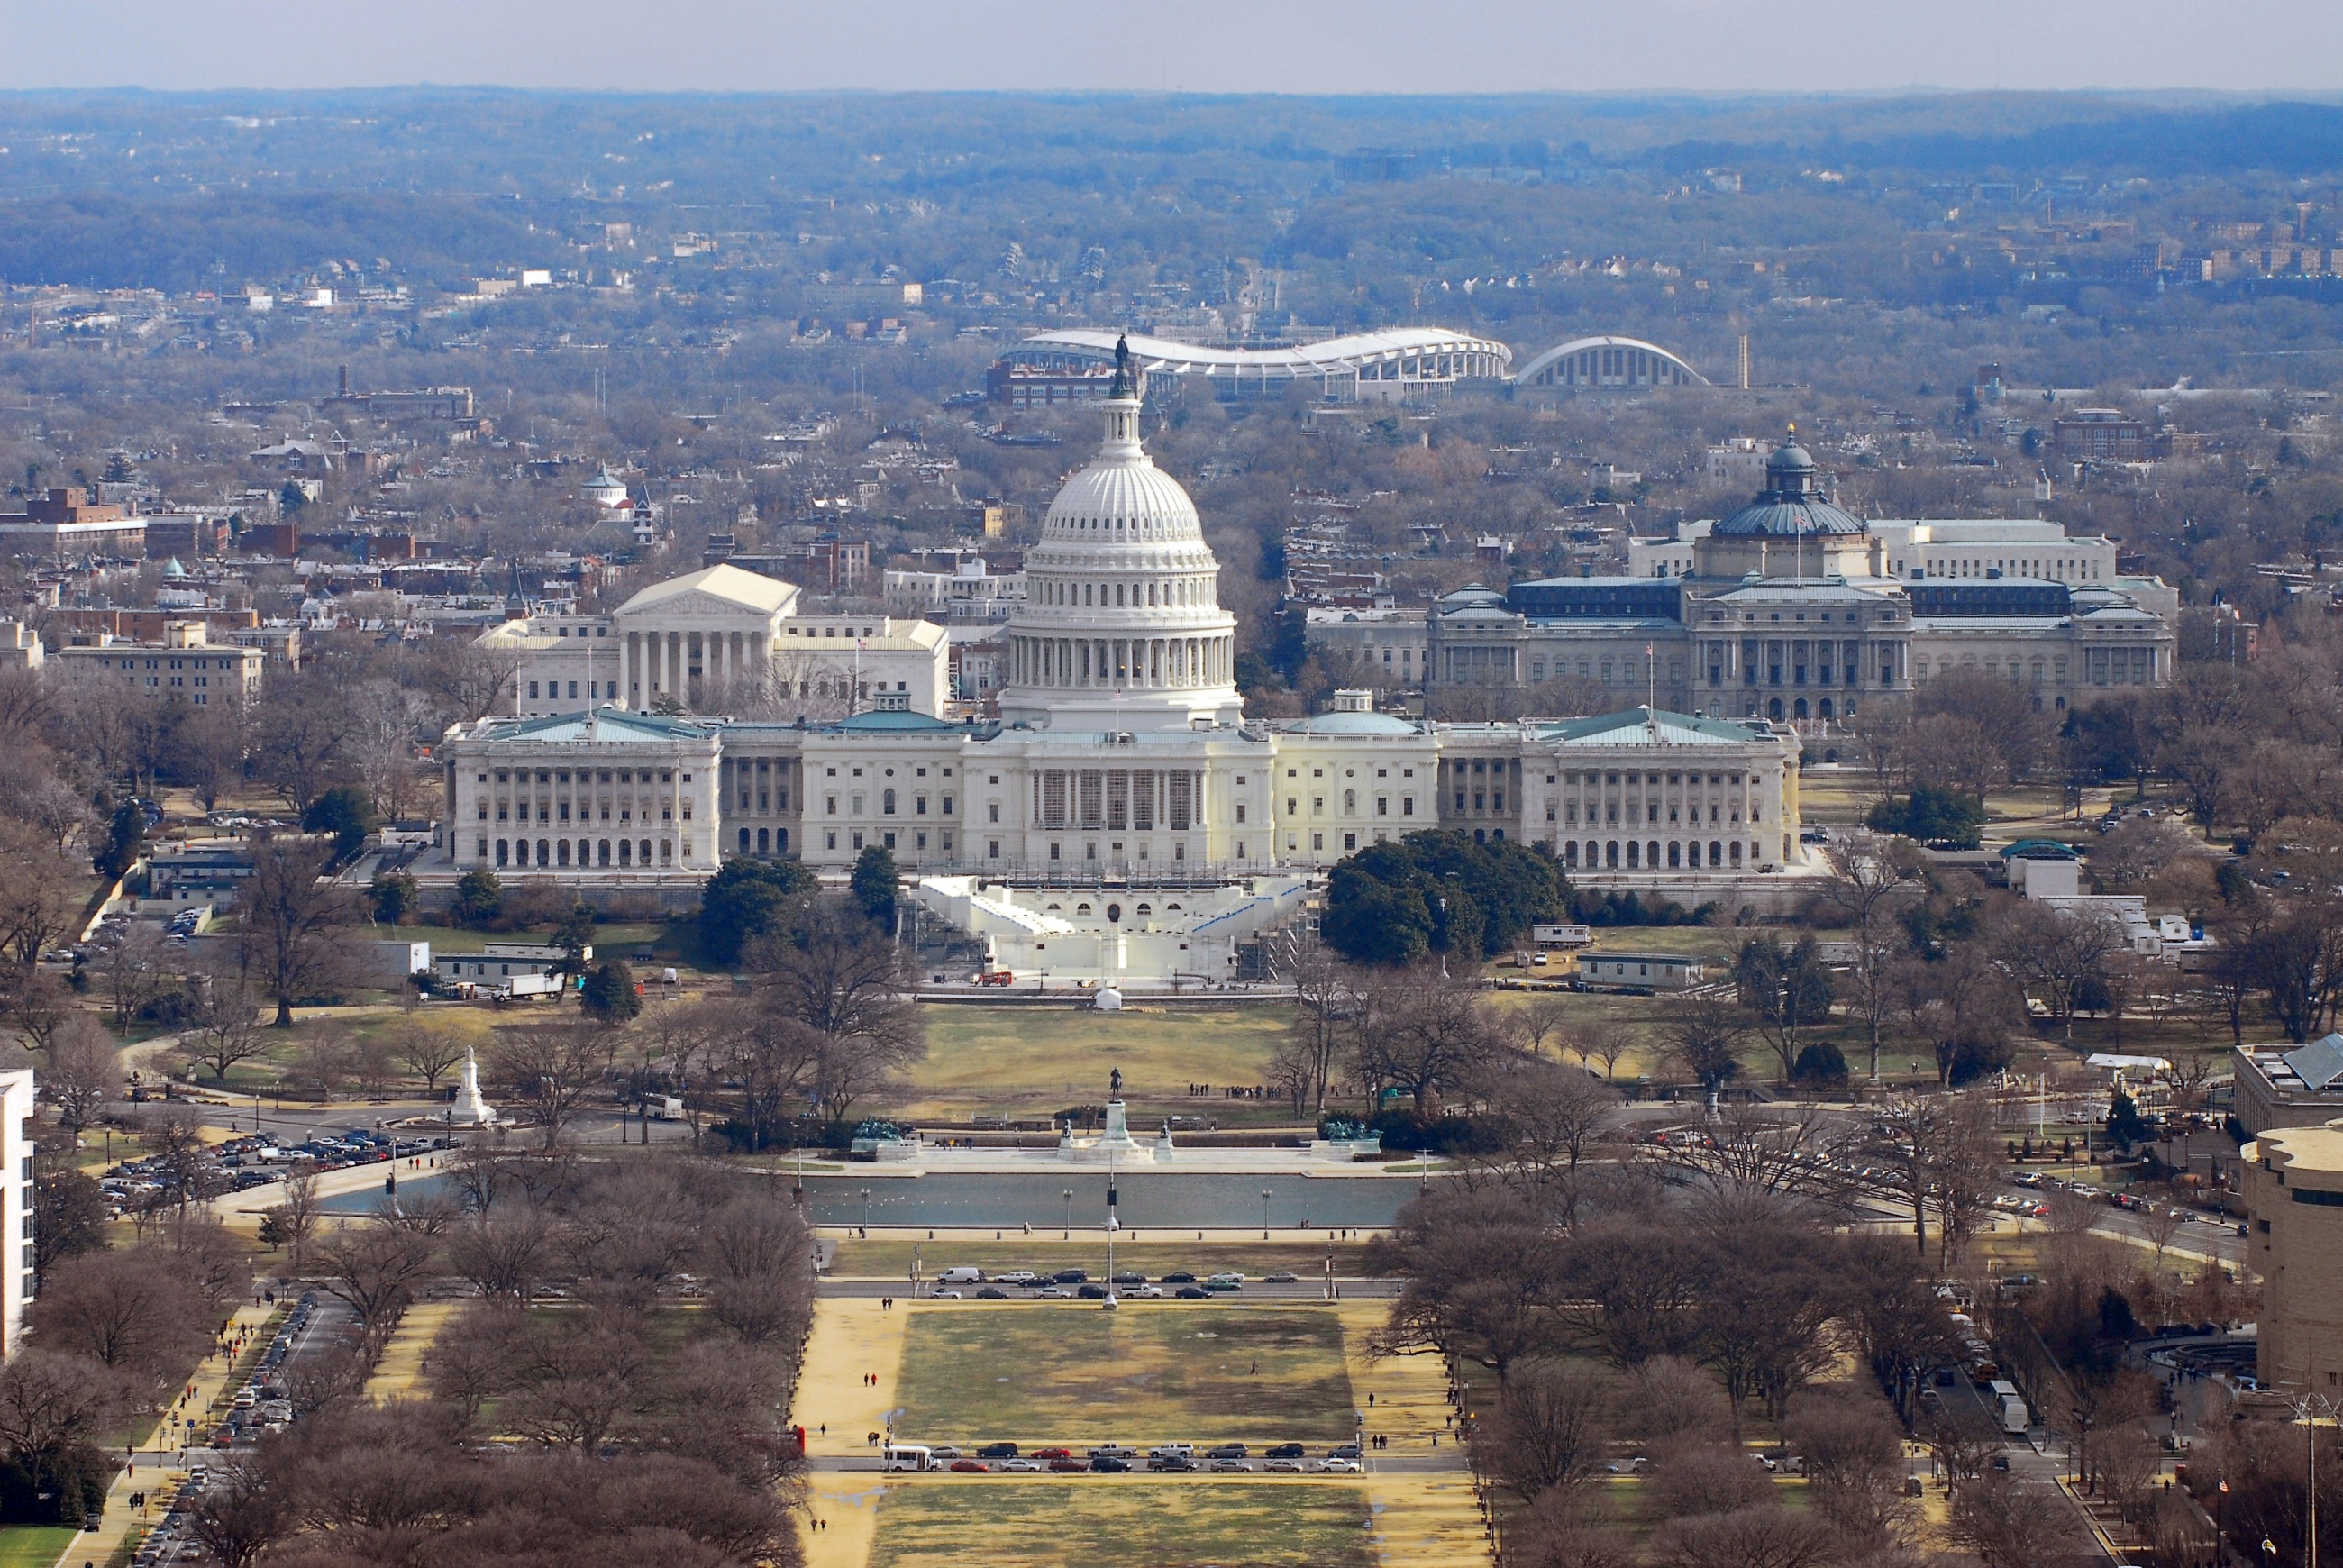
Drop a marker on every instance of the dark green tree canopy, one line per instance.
(1932, 812)
(747, 900)
(1439, 892)
(873, 885)
(608, 993)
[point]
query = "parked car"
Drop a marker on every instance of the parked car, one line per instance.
(1143, 1292)
(1226, 1277)
(1221, 1287)
(1285, 1450)
(1177, 1277)
(1029, 1466)
(1171, 1462)
(1070, 1276)
(1344, 1450)
(1106, 1464)
(1339, 1466)
(1051, 1453)
(1284, 1467)
(1054, 1294)
(1126, 1277)
(1015, 1277)
(1194, 1293)
(1067, 1466)
(989, 1294)
(1282, 1277)
(1090, 1292)
(1227, 1451)
(969, 1467)
(1225, 1466)
(996, 1450)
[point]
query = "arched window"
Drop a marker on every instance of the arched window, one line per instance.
(540, 852)
(1611, 855)
(1151, 595)
(1118, 595)
(503, 852)
(1715, 853)
(667, 851)
(1086, 593)
(561, 851)
(602, 852)
(1676, 852)
(764, 841)
(626, 851)
(744, 840)
(887, 802)
(1570, 854)
(1350, 802)
(1635, 855)
(1736, 853)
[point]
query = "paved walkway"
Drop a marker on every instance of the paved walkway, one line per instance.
(158, 1462)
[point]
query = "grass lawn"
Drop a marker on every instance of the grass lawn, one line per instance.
(892, 1260)
(1023, 1064)
(33, 1545)
(1148, 1373)
(1300, 1524)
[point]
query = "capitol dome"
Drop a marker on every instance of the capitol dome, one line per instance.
(1792, 504)
(1121, 626)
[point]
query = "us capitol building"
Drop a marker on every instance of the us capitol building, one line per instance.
(1121, 819)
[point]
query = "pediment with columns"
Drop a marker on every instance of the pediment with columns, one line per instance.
(697, 612)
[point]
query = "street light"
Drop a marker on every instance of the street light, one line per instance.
(1068, 1196)
(1264, 1213)
(866, 1211)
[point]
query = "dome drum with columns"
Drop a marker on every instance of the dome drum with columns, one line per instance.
(1121, 628)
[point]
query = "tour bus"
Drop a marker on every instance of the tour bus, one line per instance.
(909, 1456)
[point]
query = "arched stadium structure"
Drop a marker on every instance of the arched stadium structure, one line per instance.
(1608, 362)
(1368, 366)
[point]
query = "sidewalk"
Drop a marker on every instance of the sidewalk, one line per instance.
(157, 1462)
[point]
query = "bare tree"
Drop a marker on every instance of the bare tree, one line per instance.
(2056, 952)
(1869, 890)
(429, 1054)
(1548, 1429)
(552, 1069)
(1755, 1537)
(1325, 996)
(1603, 1041)
(2009, 1523)
(294, 922)
(224, 1025)
(298, 1215)
(39, 893)
(1434, 1035)
(1701, 1036)
(239, 1515)
(374, 1269)
(80, 1071)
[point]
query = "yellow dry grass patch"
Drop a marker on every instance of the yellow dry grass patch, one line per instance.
(852, 1338)
(1426, 1521)
(401, 1375)
(847, 1504)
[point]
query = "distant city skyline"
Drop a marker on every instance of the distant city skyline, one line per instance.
(1372, 46)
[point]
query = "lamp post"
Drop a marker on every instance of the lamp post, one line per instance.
(1264, 1213)
(1067, 1233)
(866, 1211)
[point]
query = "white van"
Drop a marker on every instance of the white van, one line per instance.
(909, 1456)
(961, 1276)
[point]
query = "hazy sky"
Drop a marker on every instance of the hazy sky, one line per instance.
(1198, 45)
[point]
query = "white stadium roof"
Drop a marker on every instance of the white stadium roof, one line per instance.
(1608, 362)
(1334, 355)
